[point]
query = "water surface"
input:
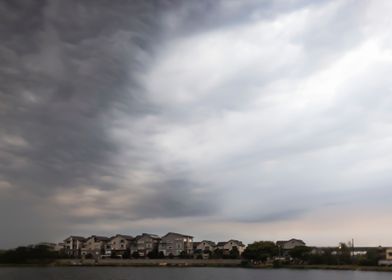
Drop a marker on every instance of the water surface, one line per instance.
(136, 273)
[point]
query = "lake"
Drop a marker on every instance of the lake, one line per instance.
(136, 273)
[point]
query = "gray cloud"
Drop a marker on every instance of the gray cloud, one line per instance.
(249, 112)
(62, 74)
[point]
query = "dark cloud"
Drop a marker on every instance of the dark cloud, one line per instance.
(65, 66)
(176, 198)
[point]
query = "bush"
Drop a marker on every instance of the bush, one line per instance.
(36, 254)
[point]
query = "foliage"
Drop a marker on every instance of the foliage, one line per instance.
(370, 259)
(37, 254)
(234, 253)
(184, 255)
(217, 254)
(153, 254)
(300, 253)
(260, 251)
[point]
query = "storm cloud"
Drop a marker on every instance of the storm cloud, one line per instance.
(246, 119)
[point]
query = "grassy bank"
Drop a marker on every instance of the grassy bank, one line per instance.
(326, 267)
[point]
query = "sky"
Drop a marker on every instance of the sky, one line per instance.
(253, 120)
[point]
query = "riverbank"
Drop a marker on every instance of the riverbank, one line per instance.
(149, 262)
(328, 267)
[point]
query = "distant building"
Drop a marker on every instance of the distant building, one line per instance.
(118, 245)
(388, 254)
(195, 245)
(227, 246)
(176, 243)
(220, 245)
(73, 246)
(387, 257)
(94, 246)
(317, 251)
(144, 244)
(206, 245)
(290, 244)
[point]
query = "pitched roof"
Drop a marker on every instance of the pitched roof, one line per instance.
(211, 243)
(179, 234)
(282, 242)
(127, 237)
(153, 236)
(76, 237)
(298, 240)
(99, 238)
(223, 243)
(236, 241)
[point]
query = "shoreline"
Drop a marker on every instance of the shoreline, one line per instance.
(188, 263)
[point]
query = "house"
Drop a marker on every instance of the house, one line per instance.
(388, 254)
(144, 244)
(290, 244)
(220, 245)
(205, 245)
(118, 245)
(94, 246)
(230, 245)
(317, 251)
(174, 244)
(73, 245)
(387, 258)
(195, 244)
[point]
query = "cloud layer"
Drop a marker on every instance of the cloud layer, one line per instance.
(246, 119)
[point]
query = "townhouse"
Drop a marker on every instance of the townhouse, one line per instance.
(175, 244)
(119, 246)
(94, 246)
(73, 245)
(145, 244)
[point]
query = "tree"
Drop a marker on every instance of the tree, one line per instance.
(260, 251)
(30, 254)
(300, 253)
(371, 258)
(153, 254)
(217, 254)
(344, 254)
(234, 253)
(184, 255)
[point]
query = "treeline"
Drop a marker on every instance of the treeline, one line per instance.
(29, 254)
(269, 252)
